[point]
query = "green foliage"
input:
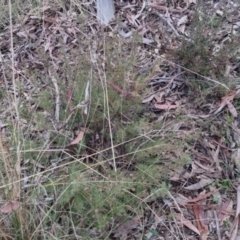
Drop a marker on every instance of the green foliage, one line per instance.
(87, 192)
(225, 184)
(205, 54)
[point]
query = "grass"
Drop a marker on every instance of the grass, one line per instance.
(89, 189)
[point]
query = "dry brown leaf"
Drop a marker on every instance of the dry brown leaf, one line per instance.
(215, 157)
(202, 227)
(165, 106)
(182, 200)
(186, 222)
(203, 196)
(118, 89)
(126, 227)
(78, 138)
(148, 98)
(232, 109)
(206, 168)
(10, 207)
(202, 183)
(226, 101)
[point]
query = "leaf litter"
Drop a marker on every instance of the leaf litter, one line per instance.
(199, 211)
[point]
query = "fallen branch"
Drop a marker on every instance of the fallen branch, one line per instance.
(57, 101)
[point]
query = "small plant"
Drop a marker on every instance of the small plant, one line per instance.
(205, 54)
(215, 199)
(227, 224)
(225, 184)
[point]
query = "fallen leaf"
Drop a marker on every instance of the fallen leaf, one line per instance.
(224, 215)
(203, 196)
(186, 222)
(126, 227)
(216, 158)
(202, 183)
(165, 106)
(182, 200)
(226, 101)
(78, 138)
(232, 109)
(202, 227)
(118, 89)
(182, 20)
(148, 98)
(10, 207)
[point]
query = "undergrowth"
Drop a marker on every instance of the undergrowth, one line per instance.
(211, 50)
(88, 189)
(74, 189)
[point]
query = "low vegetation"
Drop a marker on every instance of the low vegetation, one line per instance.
(101, 134)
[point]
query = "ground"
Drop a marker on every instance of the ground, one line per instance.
(124, 131)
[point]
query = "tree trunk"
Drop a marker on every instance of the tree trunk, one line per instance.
(105, 11)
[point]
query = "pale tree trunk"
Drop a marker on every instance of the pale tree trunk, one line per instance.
(105, 11)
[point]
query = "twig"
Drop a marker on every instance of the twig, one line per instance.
(57, 101)
(16, 187)
(163, 8)
(169, 24)
(155, 81)
(118, 89)
(169, 84)
(217, 225)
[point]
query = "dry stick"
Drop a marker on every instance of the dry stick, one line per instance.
(109, 124)
(162, 8)
(105, 91)
(57, 101)
(217, 225)
(169, 24)
(168, 85)
(17, 167)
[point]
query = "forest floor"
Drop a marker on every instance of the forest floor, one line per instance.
(125, 131)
